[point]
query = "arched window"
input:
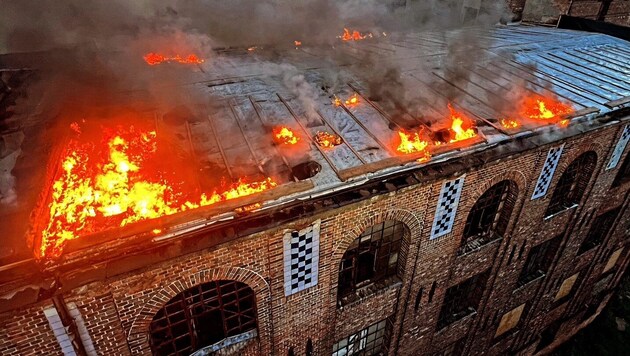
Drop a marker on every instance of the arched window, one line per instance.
(489, 217)
(371, 258)
(210, 315)
(623, 175)
(572, 183)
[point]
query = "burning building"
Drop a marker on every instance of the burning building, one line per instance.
(292, 217)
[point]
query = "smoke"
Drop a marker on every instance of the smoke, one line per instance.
(89, 53)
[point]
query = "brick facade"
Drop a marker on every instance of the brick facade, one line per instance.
(118, 309)
(548, 12)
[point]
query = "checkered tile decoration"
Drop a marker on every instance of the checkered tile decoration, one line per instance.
(548, 169)
(621, 146)
(301, 259)
(447, 207)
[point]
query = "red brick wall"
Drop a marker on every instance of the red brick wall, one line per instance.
(118, 309)
(27, 332)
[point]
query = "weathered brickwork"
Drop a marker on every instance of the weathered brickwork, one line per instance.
(545, 11)
(118, 309)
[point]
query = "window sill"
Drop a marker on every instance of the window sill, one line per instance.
(470, 313)
(560, 212)
(233, 343)
(523, 285)
(360, 294)
(477, 244)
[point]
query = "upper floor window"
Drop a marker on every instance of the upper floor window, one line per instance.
(462, 299)
(372, 257)
(599, 229)
(539, 260)
(623, 175)
(489, 217)
(207, 316)
(572, 183)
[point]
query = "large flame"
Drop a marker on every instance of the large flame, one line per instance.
(461, 126)
(103, 186)
(410, 142)
(155, 59)
(284, 135)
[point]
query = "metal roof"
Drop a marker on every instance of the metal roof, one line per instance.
(233, 138)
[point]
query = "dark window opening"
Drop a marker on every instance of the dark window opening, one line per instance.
(462, 300)
(373, 340)
(599, 230)
(623, 176)
(489, 217)
(372, 257)
(539, 260)
(309, 347)
(572, 184)
(432, 291)
(418, 300)
(511, 254)
(291, 351)
(201, 316)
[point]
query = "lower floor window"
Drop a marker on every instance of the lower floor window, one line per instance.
(372, 340)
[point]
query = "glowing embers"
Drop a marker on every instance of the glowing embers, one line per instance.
(118, 179)
(327, 140)
(351, 101)
(155, 59)
(297, 43)
(462, 127)
(510, 124)
(285, 136)
(354, 35)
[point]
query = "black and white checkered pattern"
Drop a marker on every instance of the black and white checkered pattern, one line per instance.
(301, 259)
(447, 207)
(547, 171)
(619, 148)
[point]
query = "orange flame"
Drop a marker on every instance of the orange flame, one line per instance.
(297, 43)
(539, 108)
(461, 126)
(100, 187)
(327, 140)
(410, 142)
(285, 136)
(353, 36)
(510, 123)
(155, 59)
(353, 100)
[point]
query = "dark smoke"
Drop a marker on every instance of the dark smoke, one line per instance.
(89, 52)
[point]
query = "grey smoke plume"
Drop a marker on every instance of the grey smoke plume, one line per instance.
(95, 47)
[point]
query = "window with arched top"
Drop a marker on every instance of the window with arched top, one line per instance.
(623, 176)
(208, 316)
(371, 258)
(489, 217)
(572, 184)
